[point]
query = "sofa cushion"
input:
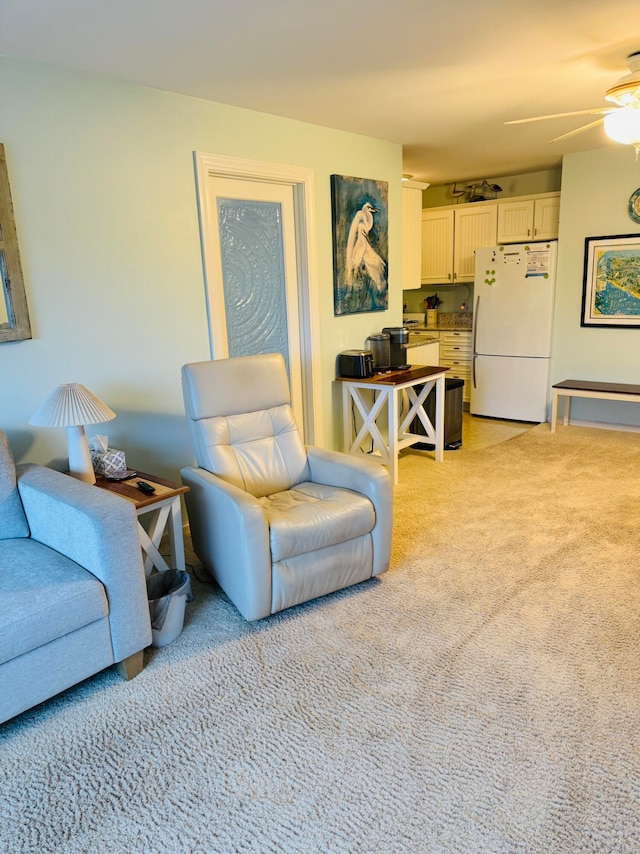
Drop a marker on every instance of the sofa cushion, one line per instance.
(314, 516)
(43, 595)
(13, 522)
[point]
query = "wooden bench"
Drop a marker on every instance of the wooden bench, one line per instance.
(585, 388)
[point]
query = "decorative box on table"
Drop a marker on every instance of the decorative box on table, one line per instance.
(109, 463)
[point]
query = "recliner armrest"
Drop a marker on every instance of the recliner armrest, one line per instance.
(98, 531)
(367, 477)
(230, 532)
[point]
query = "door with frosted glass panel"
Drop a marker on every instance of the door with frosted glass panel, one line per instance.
(254, 306)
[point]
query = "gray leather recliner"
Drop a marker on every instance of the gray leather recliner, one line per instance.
(274, 522)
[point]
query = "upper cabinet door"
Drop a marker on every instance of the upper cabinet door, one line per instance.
(528, 219)
(547, 219)
(474, 228)
(437, 246)
(515, 221)
(411, 237)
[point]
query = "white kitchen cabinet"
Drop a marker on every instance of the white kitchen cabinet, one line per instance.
(424, 354)
(474, 228)
(451, 233)
(528, 219)
(449, 237)
(546, 220)
(411, 233)
(437, 246)
(455, 354)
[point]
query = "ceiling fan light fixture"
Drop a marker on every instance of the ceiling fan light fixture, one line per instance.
(624, 126)
(626, 92)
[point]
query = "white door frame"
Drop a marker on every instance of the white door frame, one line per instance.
(301, 181)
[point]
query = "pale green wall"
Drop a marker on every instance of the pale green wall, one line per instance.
(103, 188)
(596, 186)
(545, 181)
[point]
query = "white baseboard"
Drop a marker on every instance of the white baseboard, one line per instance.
(602, 425)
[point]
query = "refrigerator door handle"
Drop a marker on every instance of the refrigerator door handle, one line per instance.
(476, 319)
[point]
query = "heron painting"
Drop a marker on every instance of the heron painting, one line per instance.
(360, 244)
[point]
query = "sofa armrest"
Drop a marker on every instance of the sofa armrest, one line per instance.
(368, 477)
(230, 535)
(99, 531)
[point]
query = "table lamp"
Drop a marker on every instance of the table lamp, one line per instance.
(72, 406)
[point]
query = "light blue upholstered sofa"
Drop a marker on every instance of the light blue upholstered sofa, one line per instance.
(72, 588)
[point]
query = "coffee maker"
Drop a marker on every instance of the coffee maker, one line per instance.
(398, 340)
(379, 344)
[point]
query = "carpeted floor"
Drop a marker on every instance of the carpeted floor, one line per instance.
(481, 696)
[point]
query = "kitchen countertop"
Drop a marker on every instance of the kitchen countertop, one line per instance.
(419, 337)
(441, 327)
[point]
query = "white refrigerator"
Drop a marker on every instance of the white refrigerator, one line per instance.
(514, 291)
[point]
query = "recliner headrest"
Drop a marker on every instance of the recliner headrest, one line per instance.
(233, 386)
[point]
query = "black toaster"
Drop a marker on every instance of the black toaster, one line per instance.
(355, 364)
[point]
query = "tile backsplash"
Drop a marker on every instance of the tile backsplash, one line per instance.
(455, 319)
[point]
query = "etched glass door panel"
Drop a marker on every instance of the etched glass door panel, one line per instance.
(252, 257)
(253, 305)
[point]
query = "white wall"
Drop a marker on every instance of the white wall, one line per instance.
(596, 186)
(103, 188)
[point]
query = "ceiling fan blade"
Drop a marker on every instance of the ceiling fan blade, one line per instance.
(593, 112)
(577, 130)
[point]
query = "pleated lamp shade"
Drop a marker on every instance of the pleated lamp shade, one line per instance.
(72, 406)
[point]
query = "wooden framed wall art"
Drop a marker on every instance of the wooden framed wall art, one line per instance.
(14, 313)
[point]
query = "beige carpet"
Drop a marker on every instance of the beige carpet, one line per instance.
(482, 696)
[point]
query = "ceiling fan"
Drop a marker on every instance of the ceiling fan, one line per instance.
(622, 121)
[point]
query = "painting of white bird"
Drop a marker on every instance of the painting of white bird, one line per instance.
(361, 256)
(360, 241)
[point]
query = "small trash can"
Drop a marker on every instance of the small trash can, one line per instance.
(168, 593)
(452, 415)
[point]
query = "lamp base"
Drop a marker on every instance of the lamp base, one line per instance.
(80, 465)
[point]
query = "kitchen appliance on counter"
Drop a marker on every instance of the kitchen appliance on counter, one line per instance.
(413, 319)
(514, 293)
(398, 340)
(379, 344)
(355, 364)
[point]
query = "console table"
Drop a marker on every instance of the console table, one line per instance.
(388, 387)
(165, 506)
(586, 388)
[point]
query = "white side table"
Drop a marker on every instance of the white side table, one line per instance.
(388, 387)
(164, 504)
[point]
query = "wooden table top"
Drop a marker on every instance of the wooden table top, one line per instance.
(128, 489)
(587, 385)
(415, 372)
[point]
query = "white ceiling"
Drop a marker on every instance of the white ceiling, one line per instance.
(439, 77)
